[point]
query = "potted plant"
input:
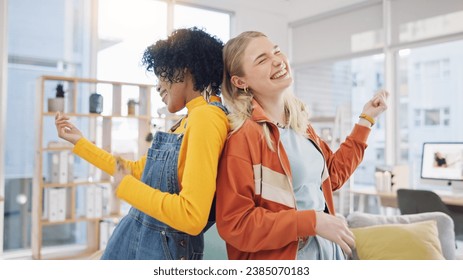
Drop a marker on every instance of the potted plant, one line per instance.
(57, 104)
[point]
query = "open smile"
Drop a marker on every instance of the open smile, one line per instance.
(281, 73)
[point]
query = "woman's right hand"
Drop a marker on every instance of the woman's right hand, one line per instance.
(335, 229)
(66, 130)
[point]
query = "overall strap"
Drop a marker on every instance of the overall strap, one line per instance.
(214, 103)
(220, 105)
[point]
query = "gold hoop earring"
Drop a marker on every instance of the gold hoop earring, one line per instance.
(245, 89)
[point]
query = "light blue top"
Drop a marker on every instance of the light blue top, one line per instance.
(307, 164)
(306, 167)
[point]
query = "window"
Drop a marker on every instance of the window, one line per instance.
(214, 22)
(431, 117)
(335, 93)
(31, 53)
(430, 99)
(122, 44)
(126, 28)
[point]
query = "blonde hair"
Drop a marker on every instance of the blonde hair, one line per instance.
(239, 101)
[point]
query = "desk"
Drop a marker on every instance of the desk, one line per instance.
(389, 199)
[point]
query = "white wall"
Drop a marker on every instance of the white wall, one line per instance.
(270, 19)
(355, 30)
(302, 9)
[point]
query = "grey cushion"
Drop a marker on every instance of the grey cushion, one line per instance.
(444, 226)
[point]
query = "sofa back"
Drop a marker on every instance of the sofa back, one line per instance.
(445, 226)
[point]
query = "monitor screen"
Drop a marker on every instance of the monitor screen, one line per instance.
(442, 161)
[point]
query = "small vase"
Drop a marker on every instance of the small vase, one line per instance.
(96, 103)
(56, 104)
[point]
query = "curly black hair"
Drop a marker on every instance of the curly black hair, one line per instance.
(190, 48)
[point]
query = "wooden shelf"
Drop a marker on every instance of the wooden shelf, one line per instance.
(100, 130)
(169, 118)
(46, 149)
(73, 254)
(74, 184)
(90, 115)
(80, 219)
(91, 81)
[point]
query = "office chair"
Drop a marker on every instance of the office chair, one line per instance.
(419, 201)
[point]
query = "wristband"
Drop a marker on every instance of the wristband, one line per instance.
(368, 118)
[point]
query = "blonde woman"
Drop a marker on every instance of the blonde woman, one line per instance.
(276, 176)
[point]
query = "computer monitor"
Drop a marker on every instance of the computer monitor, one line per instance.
(442, 161)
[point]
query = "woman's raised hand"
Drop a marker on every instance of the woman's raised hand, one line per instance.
(376, 105)
(66, 130)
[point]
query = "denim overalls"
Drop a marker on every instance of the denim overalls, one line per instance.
(139, 236)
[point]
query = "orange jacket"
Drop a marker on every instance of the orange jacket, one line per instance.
(256, 208)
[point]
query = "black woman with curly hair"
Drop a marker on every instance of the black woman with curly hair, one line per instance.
(171, 189)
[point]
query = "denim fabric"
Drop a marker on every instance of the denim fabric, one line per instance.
(139, 236)
(220, 105)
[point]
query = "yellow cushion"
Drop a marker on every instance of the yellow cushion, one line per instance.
(415, 241)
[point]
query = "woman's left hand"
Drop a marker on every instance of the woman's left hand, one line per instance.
(120, 172)
(378, 104)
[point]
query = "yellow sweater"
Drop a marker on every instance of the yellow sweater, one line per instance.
(204, 137)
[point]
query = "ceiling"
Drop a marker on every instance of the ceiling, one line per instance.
(293, 10)
(300, 9)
